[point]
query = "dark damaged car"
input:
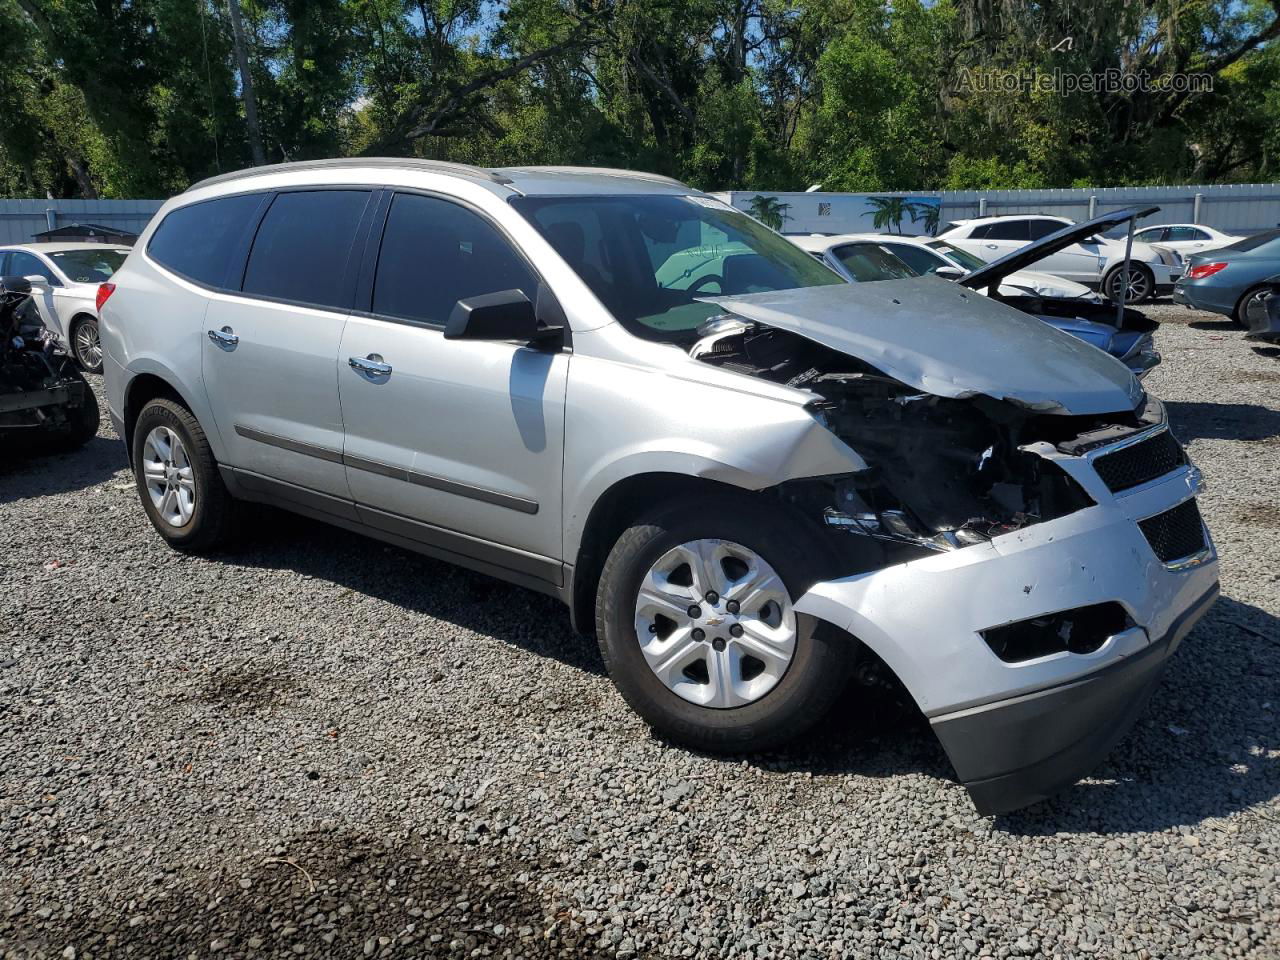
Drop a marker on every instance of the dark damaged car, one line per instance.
(742, 474)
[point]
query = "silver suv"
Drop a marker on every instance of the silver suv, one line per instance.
(740, 473)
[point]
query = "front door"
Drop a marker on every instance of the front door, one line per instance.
(270, 353)
(452, 442)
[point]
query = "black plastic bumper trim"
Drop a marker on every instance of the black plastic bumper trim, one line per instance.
(1015, 752)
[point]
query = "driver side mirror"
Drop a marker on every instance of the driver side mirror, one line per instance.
(36, 280)
(949, 273)
(508, 315)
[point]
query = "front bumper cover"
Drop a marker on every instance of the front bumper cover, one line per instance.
(1018, 731)
(1019, 751)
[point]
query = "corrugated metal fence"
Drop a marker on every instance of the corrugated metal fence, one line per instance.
(21, 219)
(1233, 208)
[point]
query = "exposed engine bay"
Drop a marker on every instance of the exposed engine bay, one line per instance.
(943, 473)
(45, 402)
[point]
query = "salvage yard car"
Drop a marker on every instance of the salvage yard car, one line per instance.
(1230, 280)
(1068, 306)
(741, 478)
(64, 284)
(1095, 261)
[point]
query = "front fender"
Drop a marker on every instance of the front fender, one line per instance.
(623, 421)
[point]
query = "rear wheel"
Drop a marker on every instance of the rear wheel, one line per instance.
(178, 480)
(1141, 284)
(696, 620)
(1242, 308)
(86, 344)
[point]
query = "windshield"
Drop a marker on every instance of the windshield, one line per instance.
(648, 258)
(868, 262)
(89, 266)
(1256, 241)
(962, 257)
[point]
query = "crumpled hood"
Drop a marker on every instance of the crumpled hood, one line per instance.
(950, 342)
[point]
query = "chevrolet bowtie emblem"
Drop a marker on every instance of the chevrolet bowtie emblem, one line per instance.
(714, 621)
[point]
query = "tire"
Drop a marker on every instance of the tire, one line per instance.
(1238, 314)
(1145, 280)
(212, 509)
(86, 345)
(84, 421)
(808, 685)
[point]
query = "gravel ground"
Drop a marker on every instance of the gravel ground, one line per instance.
(317, 745)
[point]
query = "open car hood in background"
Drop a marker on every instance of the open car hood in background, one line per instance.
(1024, 257)
(940, 339)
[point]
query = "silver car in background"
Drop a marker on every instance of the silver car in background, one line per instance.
(740, 473)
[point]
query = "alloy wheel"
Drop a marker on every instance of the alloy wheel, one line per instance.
(1136, 289)
(715, 623)
(169, 479)
(88, 346)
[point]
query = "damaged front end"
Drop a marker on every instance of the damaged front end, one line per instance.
(943, 473)
(1022, 549)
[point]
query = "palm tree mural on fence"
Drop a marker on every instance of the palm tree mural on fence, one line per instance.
(770, 211)
(888, 212)
(926, 211)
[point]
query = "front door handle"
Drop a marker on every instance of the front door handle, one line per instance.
(373, 365)
(224, 337)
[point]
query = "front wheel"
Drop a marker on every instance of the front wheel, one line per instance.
(1141, 284)
(696, 622)
(86, 345)
(178, 480)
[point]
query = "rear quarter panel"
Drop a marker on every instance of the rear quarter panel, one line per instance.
(152, 324)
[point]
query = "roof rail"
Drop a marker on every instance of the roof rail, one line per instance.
(605, 171)
(338, 163)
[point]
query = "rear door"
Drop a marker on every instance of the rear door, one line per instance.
(453, 443)
(992, 241)
(1080, 262)
(271, 343)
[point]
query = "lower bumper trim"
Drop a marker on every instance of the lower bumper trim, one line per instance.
(1015, 752)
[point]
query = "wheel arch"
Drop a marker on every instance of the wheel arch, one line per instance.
(142, 389)
(1237, 311)
(616, 509)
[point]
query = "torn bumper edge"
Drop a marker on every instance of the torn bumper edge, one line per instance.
(1018, 732)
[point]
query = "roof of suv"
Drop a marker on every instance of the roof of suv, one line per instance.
(544, 181)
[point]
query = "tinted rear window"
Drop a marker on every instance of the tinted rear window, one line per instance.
(301, 249)
(1007, 230)
(199, 240)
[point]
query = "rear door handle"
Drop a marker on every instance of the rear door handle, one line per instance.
(224, 337)
(372, 365)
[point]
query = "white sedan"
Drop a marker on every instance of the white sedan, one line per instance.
(64, 284)
(1094, 261)
(1186, 238)
(931, 255)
